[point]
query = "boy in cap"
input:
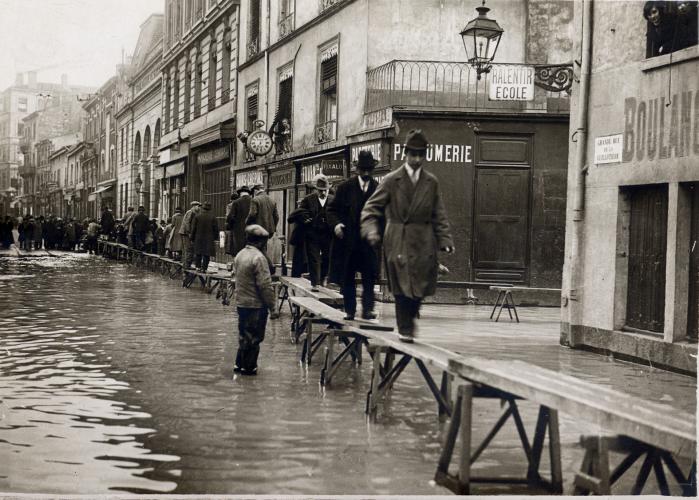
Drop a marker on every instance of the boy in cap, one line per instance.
(254, 298)
(409, 205)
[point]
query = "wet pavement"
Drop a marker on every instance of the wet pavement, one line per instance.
(114, 379)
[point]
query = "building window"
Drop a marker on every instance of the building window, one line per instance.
(326, 129)
(198, 71)
(187, 91)
(226, 66)
(671, 26)
(22, 104)
(281, 125)
(176, 101)
(286, 17)
(251, 101)
(254, 29)
(212, 76)
(166, 104)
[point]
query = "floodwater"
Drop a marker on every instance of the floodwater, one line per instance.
(114, 379)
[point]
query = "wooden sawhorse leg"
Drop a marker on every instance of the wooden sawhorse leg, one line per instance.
(333, 362)
(461, 422)
(501, 296)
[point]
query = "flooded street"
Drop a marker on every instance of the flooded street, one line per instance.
(117, 379)
(113, 379)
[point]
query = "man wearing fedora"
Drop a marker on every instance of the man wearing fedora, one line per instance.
(204, 236)
(409, 205)
(350, 253)
(185, 232)
(235, 221)
(317, 231)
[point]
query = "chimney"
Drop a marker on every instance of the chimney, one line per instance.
(32, 79)
(64, 81)
(19, 79)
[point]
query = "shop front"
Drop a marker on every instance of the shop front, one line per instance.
(170, 179)
(503, 183)
(281, 186)
(333, 165)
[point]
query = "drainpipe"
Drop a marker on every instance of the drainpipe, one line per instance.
(267, 64)
(576, 284)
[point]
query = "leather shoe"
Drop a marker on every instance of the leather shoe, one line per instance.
(368, 315)
(409, 339)
(315, 289)
(349, 317)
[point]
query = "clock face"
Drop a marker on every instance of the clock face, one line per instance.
(259, 143)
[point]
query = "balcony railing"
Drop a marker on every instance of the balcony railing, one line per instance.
(449, 85)
(286, 25)
(326, 132)
(326, 4)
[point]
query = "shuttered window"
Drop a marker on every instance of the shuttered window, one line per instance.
(251, 114)
(328, 75)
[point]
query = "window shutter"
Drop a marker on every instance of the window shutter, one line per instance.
(328, 74)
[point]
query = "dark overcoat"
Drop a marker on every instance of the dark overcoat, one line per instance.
(346, 208)
(316, 225)
(235, 221)
(416, 227)
(204, 233)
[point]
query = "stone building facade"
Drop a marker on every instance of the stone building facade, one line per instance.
(632, 256)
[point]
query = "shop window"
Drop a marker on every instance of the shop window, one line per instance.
(671, 26)
(326, 130)
(280, 129)
(253, 46)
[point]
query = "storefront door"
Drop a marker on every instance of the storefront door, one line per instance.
(645, 309)
(217, 191)
(693, 326)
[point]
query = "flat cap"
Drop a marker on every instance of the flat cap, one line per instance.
(196, 203)
(256, 231)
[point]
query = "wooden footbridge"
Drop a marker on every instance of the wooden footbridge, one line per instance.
(660, 435)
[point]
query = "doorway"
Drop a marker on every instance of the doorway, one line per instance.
(645, 308)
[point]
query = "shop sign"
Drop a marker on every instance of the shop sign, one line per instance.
(374, 147)
(656, 128)
(281, 178)
(213, 155)
(158, 172)
(174, 169)
(249, 178)
(439, 153)
(608, 149)
(511, 83)
(333, 169)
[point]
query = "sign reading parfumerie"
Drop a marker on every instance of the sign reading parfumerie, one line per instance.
(511, 82)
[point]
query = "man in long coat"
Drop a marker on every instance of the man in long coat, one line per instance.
(408, 201)
(350, 253)
(317, 231)
(263, 211)
(186, 233)
(235, 221)
(204, 235)
(174, 243)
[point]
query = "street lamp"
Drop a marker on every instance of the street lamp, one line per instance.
(139, 183)
(481, 38)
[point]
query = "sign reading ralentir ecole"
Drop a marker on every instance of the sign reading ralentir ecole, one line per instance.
(511, 83)
(608, 149)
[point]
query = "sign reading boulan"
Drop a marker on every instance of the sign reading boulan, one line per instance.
(608, 149)
(511, 83)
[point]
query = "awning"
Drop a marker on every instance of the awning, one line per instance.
(103, 189)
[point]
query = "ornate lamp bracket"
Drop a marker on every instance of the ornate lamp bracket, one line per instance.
(554, 77)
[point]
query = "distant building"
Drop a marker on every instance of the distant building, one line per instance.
(139, 122)
(329, 78)
(200, 56)
(16, 102)
(631, 282)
